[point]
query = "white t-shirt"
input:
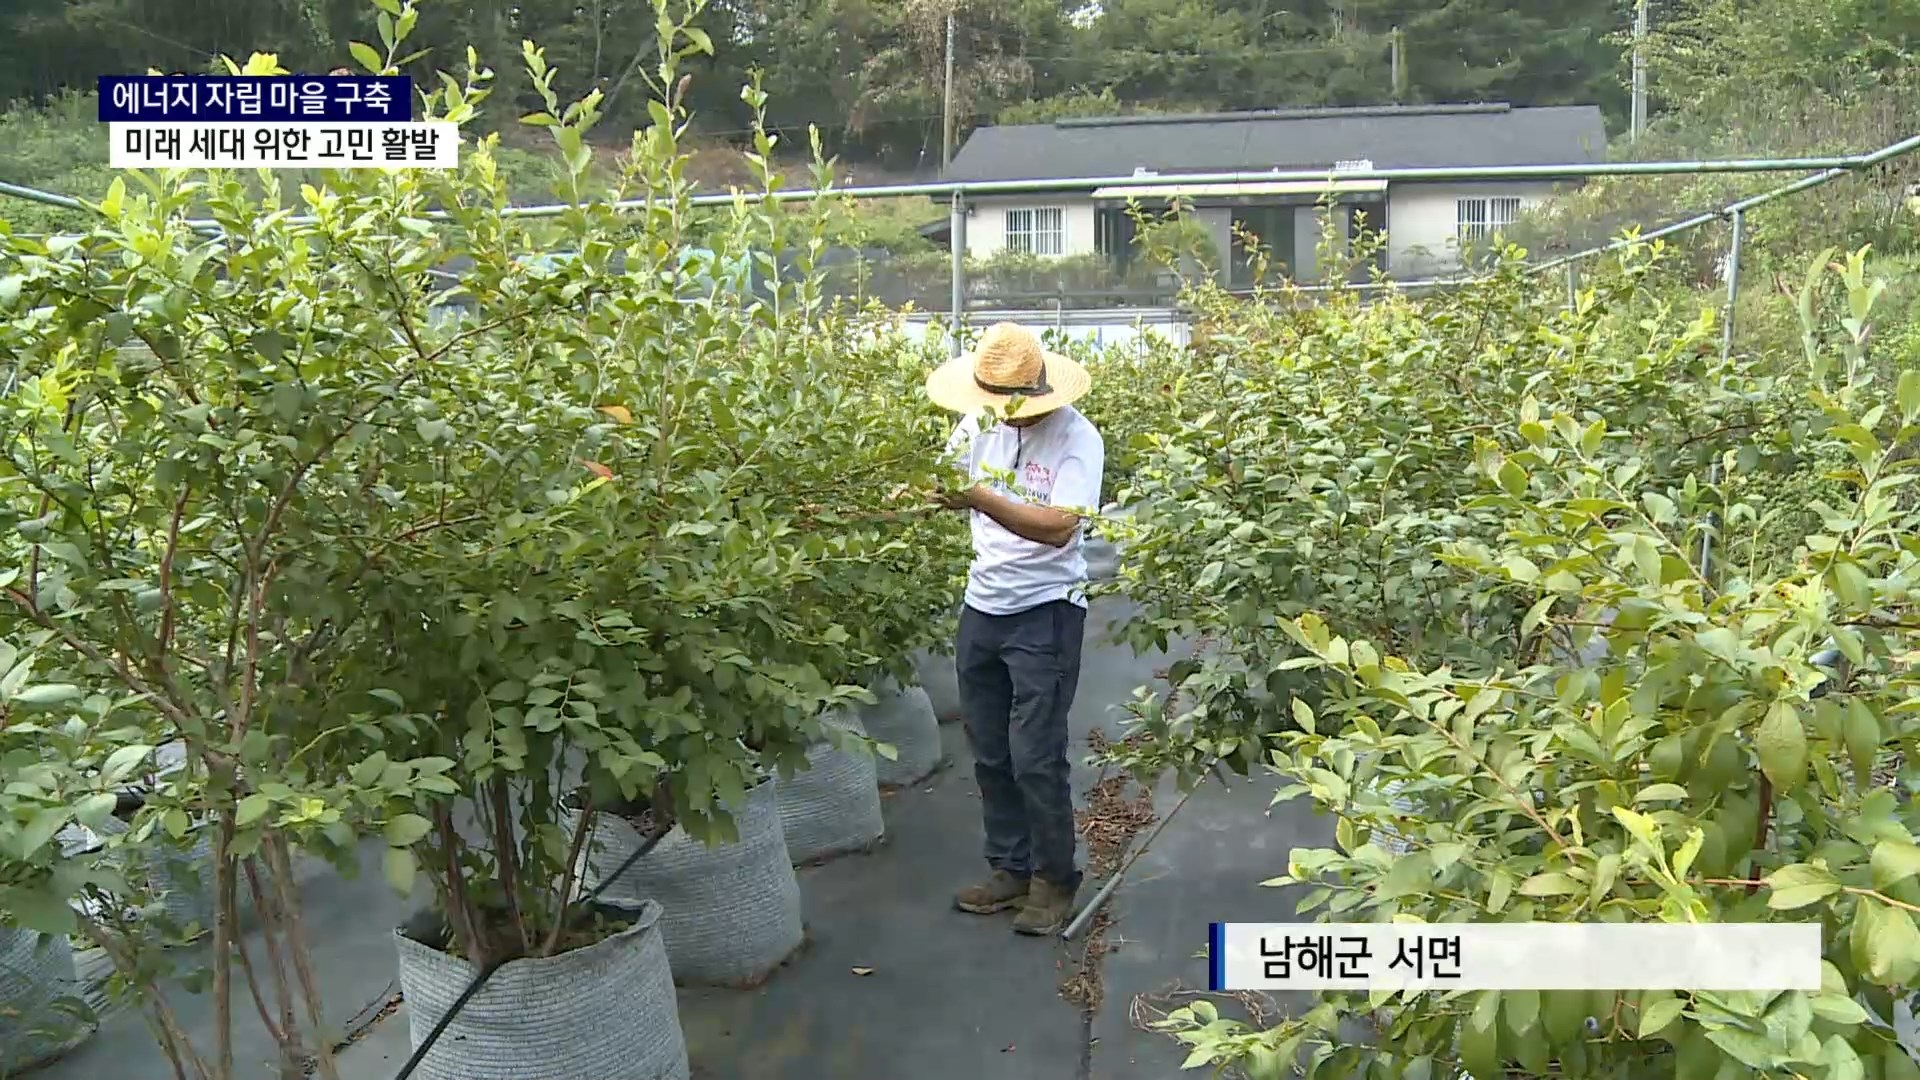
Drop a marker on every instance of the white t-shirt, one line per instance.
(1058, 462)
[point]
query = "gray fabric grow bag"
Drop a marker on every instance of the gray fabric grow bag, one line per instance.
(940, 681)
(181, 879)
(904, 720)
(39, 992)
(605, 1012)
(832, 807)
(731, 912)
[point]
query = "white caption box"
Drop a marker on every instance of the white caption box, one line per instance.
(431, 144)
(1515, 956)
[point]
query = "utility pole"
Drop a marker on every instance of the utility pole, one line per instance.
(1640, 71)
(946, 140)
(1399, 42)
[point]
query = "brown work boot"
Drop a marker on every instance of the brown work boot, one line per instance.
(999, 892)
(1047, 909)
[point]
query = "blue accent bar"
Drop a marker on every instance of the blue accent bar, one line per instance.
(256, 99)
(1216, 957)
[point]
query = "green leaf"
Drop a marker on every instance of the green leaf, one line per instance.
(1639, 826)
(1853, 585)
(1899, 1064)
(1659, 793)
(1499, 890)
(1909, 394)
(1522, 1012)
(46, 695)
(40, 827)
(94, 810)
(1303, 715)
(1565, 1012)
(1537, 614)
(1798, 885)
(1591, 438)
(1842, 1062)
(37, 908)
(399, 866)
(390, 697)
(122, 762)
(1647, 558)
(1781, 743)
(1860, 730)
(1838, 1008)
(1659, 1015)
(700, 40)
(367, 56)
(1688, 851)
(1480, 1040)
(251, 809)
(1753, 1051)
(1894, 861)
(1659, 508)
(1550, 884)
(1892, 944)
(404, 830)
(115, 203)
(1513, 479)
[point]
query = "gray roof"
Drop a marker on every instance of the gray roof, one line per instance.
(1415, 136)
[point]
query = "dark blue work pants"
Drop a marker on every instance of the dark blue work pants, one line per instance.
(1018, 674)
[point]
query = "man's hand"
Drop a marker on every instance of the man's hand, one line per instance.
(935, 498)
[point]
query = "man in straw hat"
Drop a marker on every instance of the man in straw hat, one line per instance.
(1018, 653)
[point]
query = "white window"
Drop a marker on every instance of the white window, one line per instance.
(1038, 231)
(1480, 218)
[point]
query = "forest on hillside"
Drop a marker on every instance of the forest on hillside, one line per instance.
(871, 73)
(1728, 78)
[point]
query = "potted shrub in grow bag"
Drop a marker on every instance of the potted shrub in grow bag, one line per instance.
(831, 806)
(603, 592)
(177, 875)
(731, 906)
(43, 1013)
(895, 587)
(902, 719)
(46, 755)
(933, 670)
(170, 877)
(177, 537)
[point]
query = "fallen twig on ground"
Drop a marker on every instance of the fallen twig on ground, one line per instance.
(1146, 1010)
(1113, 816)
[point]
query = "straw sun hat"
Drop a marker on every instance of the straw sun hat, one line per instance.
(1009, 362)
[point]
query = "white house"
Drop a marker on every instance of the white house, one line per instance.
(1425, 221)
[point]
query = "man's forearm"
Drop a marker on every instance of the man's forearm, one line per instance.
(1040, 524)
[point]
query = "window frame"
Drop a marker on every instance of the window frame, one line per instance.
(1487, 222)
(1044, 232)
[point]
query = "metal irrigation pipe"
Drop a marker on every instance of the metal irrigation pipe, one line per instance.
(1113, 883)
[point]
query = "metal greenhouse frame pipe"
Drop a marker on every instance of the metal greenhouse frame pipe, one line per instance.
(1829, 173)
(65, 202)
(947, 188)
(957, 240)
(1830, 167)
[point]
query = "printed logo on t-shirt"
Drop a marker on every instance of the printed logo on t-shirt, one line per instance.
(1038, 479)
